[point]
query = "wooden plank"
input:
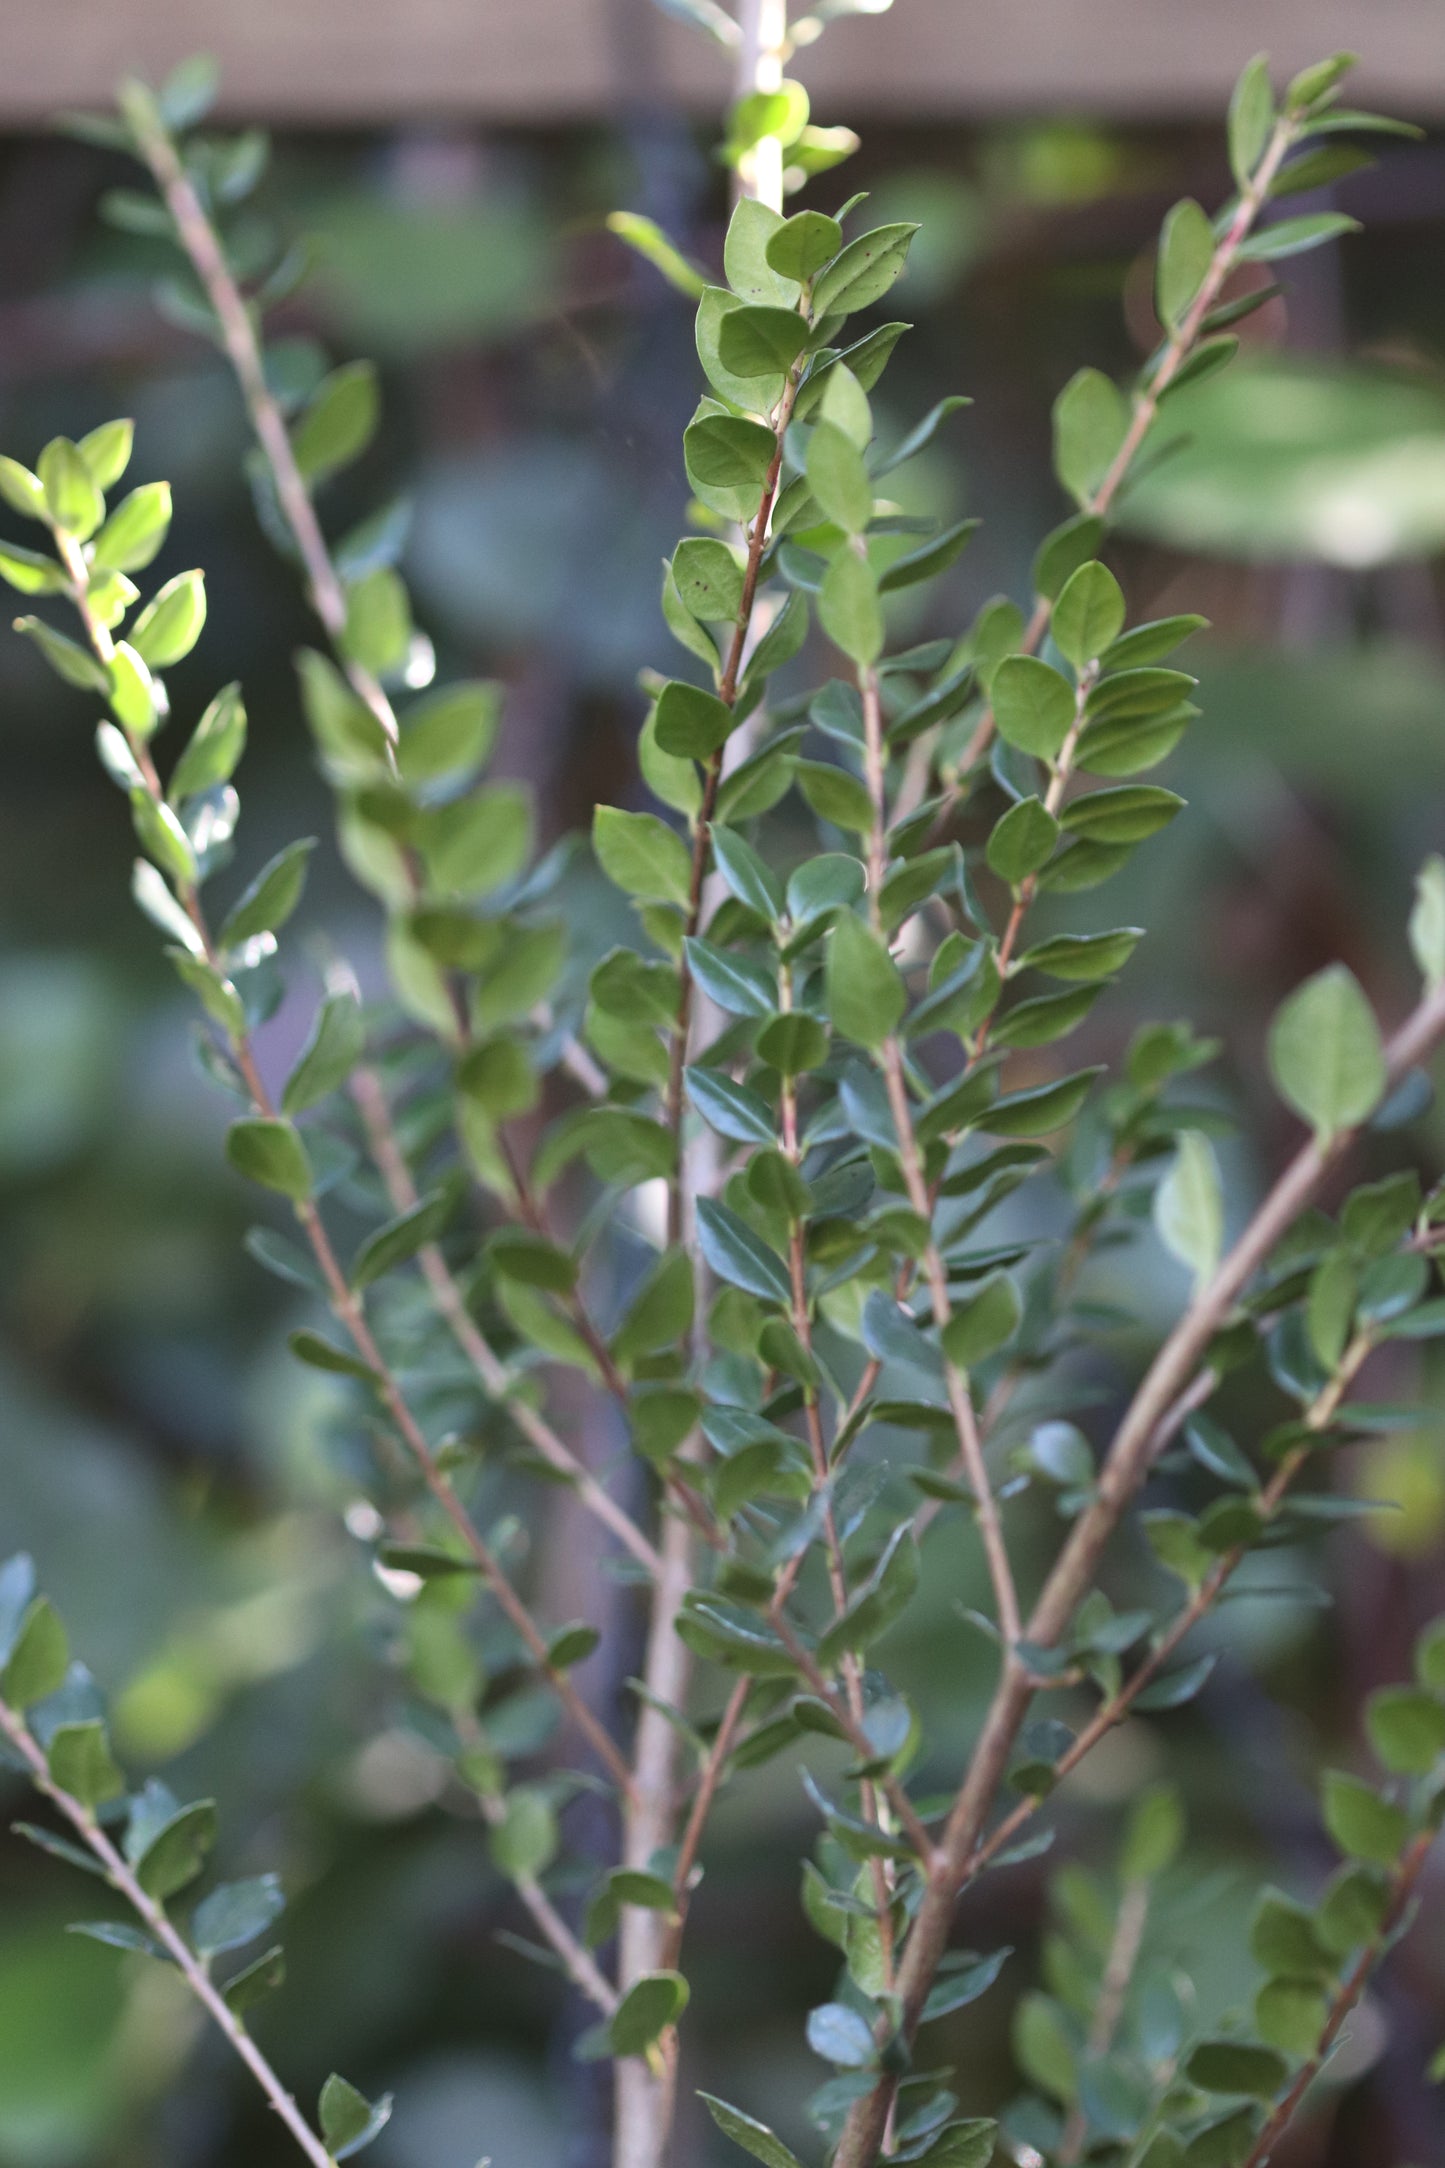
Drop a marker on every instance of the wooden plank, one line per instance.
(359, 61)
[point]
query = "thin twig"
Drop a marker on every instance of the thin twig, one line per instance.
(202, 245)
(1351, 1988)
(1126, 1463)
(1177, 349)
(960, 1398)
(191, 1968)
(346, 1304)
(497, 1381)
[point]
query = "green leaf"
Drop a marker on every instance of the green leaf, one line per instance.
(74, 503)
(1153, 1835)
(178, 1851)
(709, 578)
(1033, 705)
(1407, 1729)
(270, 1152)
(30, 573)
(1022, 841)
(836, 796)
(1325, 1053)
(270, 899)
(162, 838)
(1283, 1941)
(758, 340)
(1040, 1110)
(524, 1843)
(661, 1311)
(984, 1323)
(648, 239)
(38, 1657)
(1291, 2015)
(838, 479)
(1083, 955)
(80, 1762)
(690, 723)
(1189, 1207)
(236, 1913)
(378, 628)
(754, 2138)
(1237, 2066)
(750, 880)
(338, 421)
(725, 451)
(849, 610)
(450, 732)
(1089, 615)
(1251, 117)
(731, 1109)
(478, 843)
(961, 2145)
(1045, 1018)
(1430, 1657)
(519, 1254)
(1362, 1823)
(841, 2036)
(1293, 236)
(887, 1592)
(738, 1255)
(642, 856)
(864, 271)
(106, 451)
(66, 658)
(1129, 814)
(133, 535)
(401, 1238)
(735, 982)
(801, 246)
(864, 992)
(1427, 922)
(348, 2119)
(745, 254)
(335, 1045)
(1043, 2047)
(930, 558)
(257, 1980)
(215, 748)
(23, 491)
(651, 2004)
(1186, 250)
(1090, 418)
(170, 624)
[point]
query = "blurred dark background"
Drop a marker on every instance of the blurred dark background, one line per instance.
(172, 1469)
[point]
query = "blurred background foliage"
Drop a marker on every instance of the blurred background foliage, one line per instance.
(185, 1484)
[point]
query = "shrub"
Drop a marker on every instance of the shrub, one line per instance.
(829, 1344)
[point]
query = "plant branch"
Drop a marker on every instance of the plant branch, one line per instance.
(960, 1398)
(1125, 1467)
(191, 1968)
(493, 1373)
(1176, 351)
(346, 1304)
(1351, 1988)
(202, 245)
